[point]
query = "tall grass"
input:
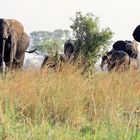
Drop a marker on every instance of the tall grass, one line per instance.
(66, 105)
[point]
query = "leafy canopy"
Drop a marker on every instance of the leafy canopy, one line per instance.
(48, 41)
(90, 40)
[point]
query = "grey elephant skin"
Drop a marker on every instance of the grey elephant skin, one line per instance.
(116, 60)
(13, 43)
(69, 48)
(119, 61)
(130, 47)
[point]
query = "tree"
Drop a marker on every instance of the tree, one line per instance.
(67, 34)
(51, 46)
(90, 40)
(38, 36)
(41, 37)
(58, 34)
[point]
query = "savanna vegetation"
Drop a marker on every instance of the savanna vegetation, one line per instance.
(49, 41)
(90, 41)
(65, 104)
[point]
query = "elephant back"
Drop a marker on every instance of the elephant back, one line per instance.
(119, 60)
(120, 45)
(119, 55)
(68, 47)
(131, 48)
(17, 27)
(136, 33)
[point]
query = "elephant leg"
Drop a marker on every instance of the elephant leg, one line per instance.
(18, 63)
(19, 58)
(22, 45)
(9, 52)
(12, 54)
(2, 50)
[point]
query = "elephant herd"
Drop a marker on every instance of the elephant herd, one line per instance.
(124, 54)
(66, 57)
(14, 42)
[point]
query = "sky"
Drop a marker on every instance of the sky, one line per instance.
(122, 16)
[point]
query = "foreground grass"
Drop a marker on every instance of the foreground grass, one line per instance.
(66, 105)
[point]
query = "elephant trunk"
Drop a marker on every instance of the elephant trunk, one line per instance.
(102, 67)
(2, 48)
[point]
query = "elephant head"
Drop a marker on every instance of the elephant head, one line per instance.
(5, 31)
(68, 48)
(4, 28)
(13, 43)
(106, 59)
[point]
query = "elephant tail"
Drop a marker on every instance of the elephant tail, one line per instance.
(31, 51)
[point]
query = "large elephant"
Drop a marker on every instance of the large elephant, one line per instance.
(131, 48)
(13, 43)
(136, 33)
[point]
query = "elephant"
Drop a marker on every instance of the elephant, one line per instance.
(115, 60)
(13, 44)
(119, 60)
(69, 48)
(19, 56)
(131, 48)
(61, 60)
(136, 33)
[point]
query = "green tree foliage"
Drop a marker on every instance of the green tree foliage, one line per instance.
(49, 41)
(67, 34)
(58, 34)
(51, 46)
(90, 40)
(38, 36)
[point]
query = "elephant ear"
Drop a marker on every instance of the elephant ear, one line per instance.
(8, 23)
(5, 21)
(17, 26)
